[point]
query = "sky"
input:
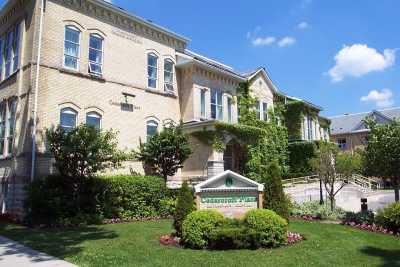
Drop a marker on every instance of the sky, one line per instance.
(341, 55)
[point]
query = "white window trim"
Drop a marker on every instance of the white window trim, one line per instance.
(147, 70)
(217, 115)
(172, 74)
(102, 56)
(79, 48)
(204, 91)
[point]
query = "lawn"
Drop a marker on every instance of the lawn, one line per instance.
(136, 244)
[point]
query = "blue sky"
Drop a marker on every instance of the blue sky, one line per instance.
(340, 54)
(362, 34)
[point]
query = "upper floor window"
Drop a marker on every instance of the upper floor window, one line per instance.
(151, 129)
(238, 107)
(8, 53)
(216, 104)
(71, 47)
(93, 119)
(258, 110)
(3, 111)
(12, 107)
(168, 75)
(2, 45)
(96, 54)
(68, 118)
(152, 61)
(203, 103)
(229, 106)
(265, 111)
(16, 47)
(310, 128)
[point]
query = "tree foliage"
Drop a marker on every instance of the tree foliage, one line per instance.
(382, 153)
(166, 151)
(184, 206)
(274, 197)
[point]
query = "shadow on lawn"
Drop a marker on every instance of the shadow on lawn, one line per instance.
(390, 257)
(61, 243)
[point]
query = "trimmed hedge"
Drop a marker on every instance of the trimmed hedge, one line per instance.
(198, 225)
(389, 217)
(52, 200)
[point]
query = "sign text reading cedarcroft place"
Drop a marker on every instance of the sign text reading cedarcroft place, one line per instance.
(233, 199)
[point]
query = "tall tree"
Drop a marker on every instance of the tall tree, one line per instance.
(382, 153)
(165, 151)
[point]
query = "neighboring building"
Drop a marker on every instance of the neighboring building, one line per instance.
(349, 131)
(102, 66)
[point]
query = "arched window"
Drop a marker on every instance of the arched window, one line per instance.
(168, 75)
(68, 119)
(71, 47)
(93, 119)
(152, 61)
(151, 128)
(96, 54)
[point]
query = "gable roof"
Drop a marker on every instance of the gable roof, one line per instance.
(264, 73)
(353, 123)
(252, 184)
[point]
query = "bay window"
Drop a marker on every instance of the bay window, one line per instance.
(216, 104)
(168, 75)
(152, 61)
(96, 54)
(71, 47)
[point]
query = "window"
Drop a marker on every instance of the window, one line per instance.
(96, 54)
(3, 110)
(1, 57)
(229, 103)
(258, 112)
(12, 106)
(310, 128)
(342, 143)
(168, 75)
(152, 60)
(8, 52)
(151, 128)
(71, 47)
(93, 119)
(203, 103)
(16, 48)
(68, 119)
(238, 107)
(216, 104)
(265, 111)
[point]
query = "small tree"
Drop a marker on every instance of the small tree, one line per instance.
(382, 153)
(184, 206)
(324, 165)
(274, 197)
(82, 152)
(166, 151)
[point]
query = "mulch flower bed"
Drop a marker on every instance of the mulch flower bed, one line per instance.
(171, 240)
(371, 227)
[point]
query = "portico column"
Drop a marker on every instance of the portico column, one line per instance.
(215, 164)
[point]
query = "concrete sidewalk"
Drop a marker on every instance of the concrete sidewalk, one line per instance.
(13, 254)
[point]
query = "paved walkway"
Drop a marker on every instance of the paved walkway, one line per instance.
(13, 254)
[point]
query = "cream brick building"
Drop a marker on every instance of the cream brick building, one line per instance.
(100, 65)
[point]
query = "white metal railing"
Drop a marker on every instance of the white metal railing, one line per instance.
(300, 180)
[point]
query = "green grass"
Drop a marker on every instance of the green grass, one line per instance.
(136, 244)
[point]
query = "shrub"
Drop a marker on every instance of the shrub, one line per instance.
(184, 206)
(230, 237)
(269, 228)
(128, 196)
(389, 217)
(362, 217)
(274, 197)
(317, 211)
(300, 154)
(198, 225)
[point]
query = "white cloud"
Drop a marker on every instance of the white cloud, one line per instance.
(262, 41)
(359, 59)
(382, 99)
(286, 41)
(303, 25)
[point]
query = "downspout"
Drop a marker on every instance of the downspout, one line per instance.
(36, 91)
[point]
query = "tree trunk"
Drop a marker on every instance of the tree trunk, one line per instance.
(321, 197)
(332, 199)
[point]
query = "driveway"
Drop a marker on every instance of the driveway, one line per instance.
(13, 254)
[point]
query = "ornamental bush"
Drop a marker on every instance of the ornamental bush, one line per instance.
(184, 205)
(389, 217)
(317, 211)
(198, 225)
(269, 227)
(361, 217)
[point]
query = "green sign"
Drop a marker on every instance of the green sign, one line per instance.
(228, 182)
(234, 199)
